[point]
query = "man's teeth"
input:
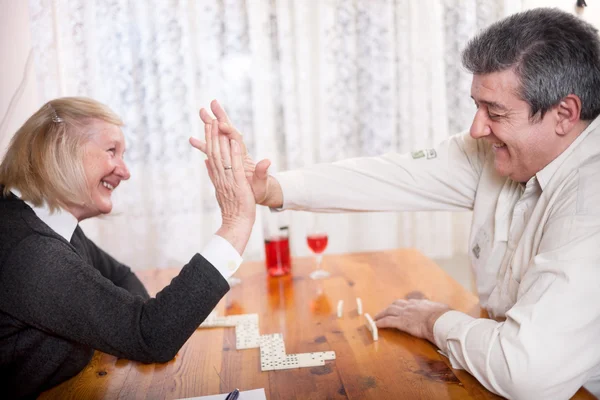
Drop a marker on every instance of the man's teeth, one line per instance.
(498, 145)
(108, 185)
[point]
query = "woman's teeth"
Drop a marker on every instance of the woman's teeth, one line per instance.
(498, 145)
(108, 185)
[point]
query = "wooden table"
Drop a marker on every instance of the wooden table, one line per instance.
(398, 366)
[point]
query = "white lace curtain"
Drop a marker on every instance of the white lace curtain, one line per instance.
(306, 81)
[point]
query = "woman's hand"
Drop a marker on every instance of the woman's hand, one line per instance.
(234, 194)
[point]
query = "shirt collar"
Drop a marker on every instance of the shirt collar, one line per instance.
(549, 170)
(61, 222)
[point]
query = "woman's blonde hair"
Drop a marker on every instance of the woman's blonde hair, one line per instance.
(44, 160)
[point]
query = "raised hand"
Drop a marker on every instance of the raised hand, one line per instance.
(233, 192)
(257, 174)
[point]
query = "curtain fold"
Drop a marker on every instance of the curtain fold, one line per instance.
(305, 81)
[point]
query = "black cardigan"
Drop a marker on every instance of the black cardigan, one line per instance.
(59, 301)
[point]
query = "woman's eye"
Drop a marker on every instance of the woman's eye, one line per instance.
(112, 151)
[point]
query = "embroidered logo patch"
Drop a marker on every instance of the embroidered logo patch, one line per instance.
(429, 153)
(418, 154)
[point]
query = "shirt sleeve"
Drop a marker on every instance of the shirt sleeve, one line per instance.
(218, 251)
(444, 178)
(547, 347)
(222, 255)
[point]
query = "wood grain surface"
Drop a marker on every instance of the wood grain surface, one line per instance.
(398, 366)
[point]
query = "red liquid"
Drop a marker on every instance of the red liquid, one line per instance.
(277, 250)
(317, 242)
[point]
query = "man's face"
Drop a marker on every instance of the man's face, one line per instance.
(521, 147)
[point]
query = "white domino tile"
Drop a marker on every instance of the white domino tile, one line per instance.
(272, 347)
(272, 352)
(372, 327)
(273, 357)
(247, 335)
(307, 358)
(215, 321)
(300, 360)
(340, 308)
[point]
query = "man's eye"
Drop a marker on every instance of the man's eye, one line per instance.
(493, 116)
(112, 151)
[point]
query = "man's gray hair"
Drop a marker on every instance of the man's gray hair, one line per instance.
(553, 54)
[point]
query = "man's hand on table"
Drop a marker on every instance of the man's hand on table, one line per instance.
(413, 316)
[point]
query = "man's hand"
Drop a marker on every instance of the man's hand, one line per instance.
(414, 316)
(257, 174)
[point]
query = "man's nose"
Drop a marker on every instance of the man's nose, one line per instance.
(480, 126)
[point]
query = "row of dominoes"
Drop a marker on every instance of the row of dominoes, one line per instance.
(370, 323)
(340, 307)
(247, 333)
(272, 347)
(273, 356)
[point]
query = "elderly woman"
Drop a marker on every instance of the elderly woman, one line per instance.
(61, 296)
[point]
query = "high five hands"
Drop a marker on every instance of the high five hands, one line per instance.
(256, 174)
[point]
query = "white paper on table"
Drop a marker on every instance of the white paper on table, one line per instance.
(255, 394)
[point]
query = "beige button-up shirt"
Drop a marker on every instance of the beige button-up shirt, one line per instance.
(534, 248)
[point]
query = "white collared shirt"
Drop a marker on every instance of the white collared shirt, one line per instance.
(218, 251)
(534, 248)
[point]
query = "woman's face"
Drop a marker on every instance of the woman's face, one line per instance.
(104, 167)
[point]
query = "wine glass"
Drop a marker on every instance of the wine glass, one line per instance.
(317, 241)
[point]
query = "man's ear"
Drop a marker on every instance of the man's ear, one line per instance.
(568, 114)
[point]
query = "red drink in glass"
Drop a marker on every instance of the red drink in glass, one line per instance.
(317, 242)
(277, 250)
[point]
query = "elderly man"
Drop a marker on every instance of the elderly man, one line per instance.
(527, 169)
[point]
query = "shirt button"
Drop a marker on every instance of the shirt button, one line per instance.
(231, 265)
